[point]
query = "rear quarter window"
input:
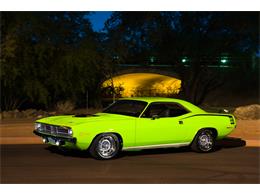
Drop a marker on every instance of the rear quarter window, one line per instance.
(165, 109)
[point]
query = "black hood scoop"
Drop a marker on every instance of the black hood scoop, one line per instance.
(85, 115)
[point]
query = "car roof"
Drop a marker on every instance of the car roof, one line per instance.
(153, 99)
(186, 104)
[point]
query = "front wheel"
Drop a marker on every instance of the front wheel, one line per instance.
(105, 146)
(204, 141)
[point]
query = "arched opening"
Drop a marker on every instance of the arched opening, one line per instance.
(141, 84)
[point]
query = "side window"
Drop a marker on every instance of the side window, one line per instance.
(154, 109)
(176, 110)
(164, 110)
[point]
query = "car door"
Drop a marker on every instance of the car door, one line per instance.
(160, 124)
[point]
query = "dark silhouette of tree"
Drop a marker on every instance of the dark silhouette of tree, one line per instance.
(201, 36)
(47, 57)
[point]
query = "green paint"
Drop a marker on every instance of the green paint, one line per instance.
(144, 132)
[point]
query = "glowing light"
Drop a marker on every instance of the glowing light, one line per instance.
(184, 60)
(223, 61)
(145, 84)
(152, 59)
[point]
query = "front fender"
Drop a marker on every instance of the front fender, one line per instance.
(85, 133)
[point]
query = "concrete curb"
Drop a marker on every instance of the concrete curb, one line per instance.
(252, 143)
(20, 140)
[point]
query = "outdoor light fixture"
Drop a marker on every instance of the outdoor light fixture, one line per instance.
(184, 60)
(115, 57)
(224, 60)
(152, 59)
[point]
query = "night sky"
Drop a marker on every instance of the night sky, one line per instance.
(98, 18)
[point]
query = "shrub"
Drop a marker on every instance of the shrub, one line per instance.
(65, 107)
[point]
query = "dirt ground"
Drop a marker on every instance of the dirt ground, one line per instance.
(248, 130)
(19, 131)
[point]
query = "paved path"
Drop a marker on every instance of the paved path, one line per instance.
(232, 163)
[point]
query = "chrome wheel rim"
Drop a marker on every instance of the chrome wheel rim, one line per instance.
(106, 147)
(205, 142)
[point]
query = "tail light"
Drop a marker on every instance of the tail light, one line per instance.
(232, 121)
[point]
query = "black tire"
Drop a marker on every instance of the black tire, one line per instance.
(105, 146)
(204, 141)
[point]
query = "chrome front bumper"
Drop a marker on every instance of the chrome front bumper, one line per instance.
(56, 137)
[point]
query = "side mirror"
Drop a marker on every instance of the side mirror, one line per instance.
(155, 117)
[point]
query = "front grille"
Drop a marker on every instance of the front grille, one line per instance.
(54, 130)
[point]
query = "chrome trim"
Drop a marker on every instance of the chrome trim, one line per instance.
(106, 147)
(54, 130)
(56, 137)
(175, 145)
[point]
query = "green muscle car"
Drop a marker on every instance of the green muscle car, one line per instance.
(137, 123)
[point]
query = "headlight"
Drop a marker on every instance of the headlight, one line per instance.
(70, 132)
(37, 126)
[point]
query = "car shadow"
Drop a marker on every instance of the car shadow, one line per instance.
(184, 149)
(68, 152)
(229, 142)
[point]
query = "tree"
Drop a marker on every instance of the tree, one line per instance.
(47, 57)
(169, 36)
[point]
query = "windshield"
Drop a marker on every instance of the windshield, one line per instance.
(126, 107)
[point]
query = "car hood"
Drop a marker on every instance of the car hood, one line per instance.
(72, 120)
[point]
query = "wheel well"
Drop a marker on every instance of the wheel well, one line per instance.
(213, 130)
(120, 138)
(117, 134)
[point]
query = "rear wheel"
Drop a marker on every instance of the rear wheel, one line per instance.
(204, 141)
(105, 146)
